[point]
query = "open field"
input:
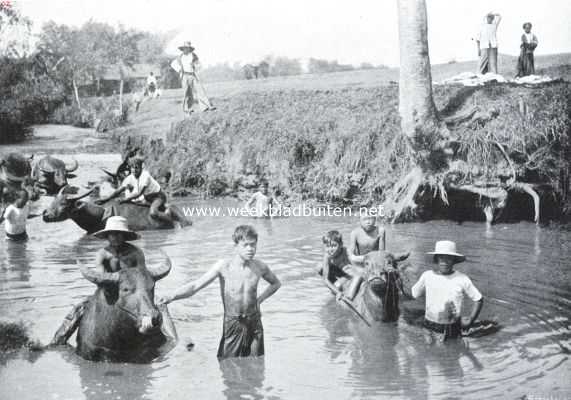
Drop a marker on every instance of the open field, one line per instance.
(156, 116)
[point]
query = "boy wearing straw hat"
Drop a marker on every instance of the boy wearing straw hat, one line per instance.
(117, 255)
(445, 289)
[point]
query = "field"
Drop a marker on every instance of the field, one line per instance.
(336, 137)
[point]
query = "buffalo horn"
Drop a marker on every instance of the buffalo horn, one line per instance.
(82, 195)
(162, 270)
(73, 167)
(62, 190)
(111, 174)
(401, 256)
(97, 277)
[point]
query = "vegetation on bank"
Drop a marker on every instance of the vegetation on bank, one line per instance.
(347, 145)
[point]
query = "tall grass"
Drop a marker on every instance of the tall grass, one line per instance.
(347, 144)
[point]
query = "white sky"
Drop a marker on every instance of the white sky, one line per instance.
(349, 31)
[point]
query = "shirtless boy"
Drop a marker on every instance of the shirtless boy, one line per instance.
(117, 255)
(366, 238)
(243, 334)
(262, 202)
(337, 268)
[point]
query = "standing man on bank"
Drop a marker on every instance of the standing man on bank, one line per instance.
(187, 65)
(488, 44)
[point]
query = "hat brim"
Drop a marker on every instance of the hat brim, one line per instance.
(186, 47)
(459, 257)
(129, 235)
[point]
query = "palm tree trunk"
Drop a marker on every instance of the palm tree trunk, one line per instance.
(419, 118)
(121, 96)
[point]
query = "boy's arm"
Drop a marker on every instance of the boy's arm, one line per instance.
(116, 193)
(274, 282)
(353, 258)
(100, 258)
(134, 195)
(325, 269)
(193, 286)
(476, 308)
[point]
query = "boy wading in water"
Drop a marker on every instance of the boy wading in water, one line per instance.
(445, 290)
(15, 217)
(243, 334)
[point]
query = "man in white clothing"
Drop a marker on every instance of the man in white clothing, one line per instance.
(445, 290)
(488, 44)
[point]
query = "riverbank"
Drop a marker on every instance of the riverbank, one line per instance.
(345, 145)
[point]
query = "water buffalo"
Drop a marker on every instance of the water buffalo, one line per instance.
(378, 295)
(121, 322)
(51, 174)
(91, 217)
(15, 172)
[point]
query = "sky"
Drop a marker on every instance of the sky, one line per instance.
(350, 32)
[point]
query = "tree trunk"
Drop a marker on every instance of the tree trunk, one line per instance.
(76, 93)
(121, 96)
(419, 118)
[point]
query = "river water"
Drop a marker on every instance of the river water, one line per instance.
(314, 348)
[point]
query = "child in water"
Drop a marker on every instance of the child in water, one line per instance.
(15, 217)
(336, 267)
(366, 238)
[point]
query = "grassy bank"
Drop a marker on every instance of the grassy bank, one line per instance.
(333, 145)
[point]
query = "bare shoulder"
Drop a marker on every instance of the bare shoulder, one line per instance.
(260, 267)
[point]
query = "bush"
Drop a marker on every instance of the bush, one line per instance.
(26, 98)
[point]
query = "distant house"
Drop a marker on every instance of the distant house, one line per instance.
(134, 78)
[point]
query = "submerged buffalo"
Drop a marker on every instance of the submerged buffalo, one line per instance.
(378, 295)
(91, 217)
(51, 174)
(121, 322)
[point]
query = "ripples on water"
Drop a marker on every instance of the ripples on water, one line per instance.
(314, 349)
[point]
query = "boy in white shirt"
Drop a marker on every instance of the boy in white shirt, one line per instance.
(445, 290)
(142, 187)
(487, 41)
(15, 217)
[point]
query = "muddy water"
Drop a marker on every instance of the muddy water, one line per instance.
(314, 349)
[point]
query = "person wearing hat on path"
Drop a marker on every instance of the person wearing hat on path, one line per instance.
(117, 255)
(445, 289)
(487, 41)
(187, 65)
(526, 62)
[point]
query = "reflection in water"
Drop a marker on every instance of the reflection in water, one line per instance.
(243, 378)
(101, 380)
(15, 260)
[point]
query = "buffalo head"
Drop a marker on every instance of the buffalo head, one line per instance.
(383, 281)
(131, 292)
(51, 174)
(63, 206)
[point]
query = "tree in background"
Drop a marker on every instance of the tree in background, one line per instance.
(14, 31)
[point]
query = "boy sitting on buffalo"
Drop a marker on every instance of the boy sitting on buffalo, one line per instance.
(142, 187)
(117, 255)
(336, 268)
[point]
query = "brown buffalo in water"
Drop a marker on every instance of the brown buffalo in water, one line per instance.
(378, 295)
(91, 217)
(121, 322)
(51, 174)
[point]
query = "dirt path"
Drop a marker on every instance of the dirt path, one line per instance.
(50, 139)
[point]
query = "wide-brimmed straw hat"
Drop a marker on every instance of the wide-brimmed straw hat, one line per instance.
(446, 247)
(117, 224)
(186, 45)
